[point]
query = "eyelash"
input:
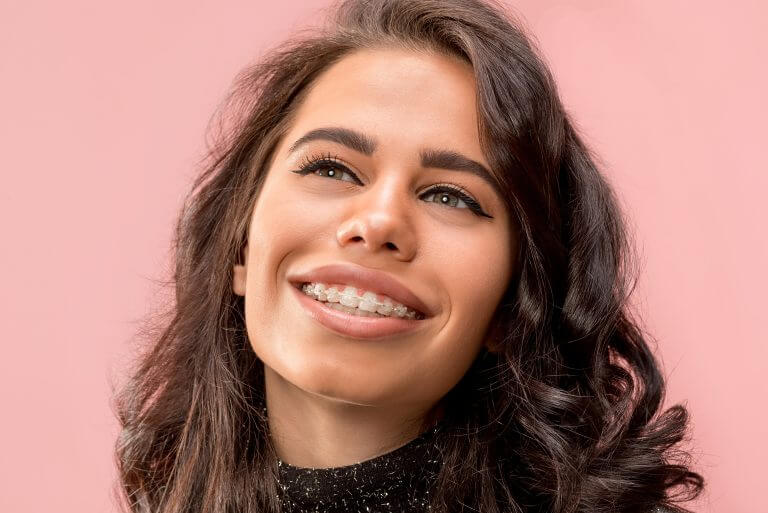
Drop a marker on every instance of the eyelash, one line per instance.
(311, 164)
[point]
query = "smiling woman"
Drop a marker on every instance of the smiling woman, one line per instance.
(342, 387)
(402, 285)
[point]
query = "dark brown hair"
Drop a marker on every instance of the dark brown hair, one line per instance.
(565, 416)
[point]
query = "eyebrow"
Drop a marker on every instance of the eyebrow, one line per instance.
(362, 143)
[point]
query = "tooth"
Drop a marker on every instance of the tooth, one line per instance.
(332, 295)
(320, 290)
(400, 310)
(385, 307)
(368, 302)
(349, 297)
(342, 308)
(353, 311)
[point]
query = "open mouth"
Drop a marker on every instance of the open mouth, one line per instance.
(353, 325)
(371, 305)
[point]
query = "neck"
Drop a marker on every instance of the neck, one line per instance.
(311, 430)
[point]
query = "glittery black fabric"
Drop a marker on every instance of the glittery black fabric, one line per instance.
(397, 481)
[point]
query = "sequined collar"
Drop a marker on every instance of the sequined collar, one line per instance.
(396, 481)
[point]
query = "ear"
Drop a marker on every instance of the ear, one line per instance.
(239, 274)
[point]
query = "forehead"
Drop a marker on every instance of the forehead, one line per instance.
(403, 97)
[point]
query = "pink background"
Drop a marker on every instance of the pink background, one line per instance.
(102, 119)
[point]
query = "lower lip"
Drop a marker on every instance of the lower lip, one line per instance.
(355, 325)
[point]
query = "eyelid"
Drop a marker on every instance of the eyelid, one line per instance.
(452, 186)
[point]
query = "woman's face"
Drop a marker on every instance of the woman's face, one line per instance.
(378, 209)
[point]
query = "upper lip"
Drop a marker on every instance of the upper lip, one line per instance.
(365, 278)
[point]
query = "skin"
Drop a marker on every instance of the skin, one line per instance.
(333, 400)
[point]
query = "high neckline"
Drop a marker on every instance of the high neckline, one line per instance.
(395, 481)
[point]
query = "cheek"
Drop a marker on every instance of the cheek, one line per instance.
(284, 218)
(474, 283)
(283, 230)
(474, 267)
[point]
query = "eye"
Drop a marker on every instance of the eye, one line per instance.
(328, 166)
(443, 193)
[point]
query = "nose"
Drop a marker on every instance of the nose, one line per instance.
(379, 220)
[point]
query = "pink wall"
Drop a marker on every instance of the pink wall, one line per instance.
(103, 110)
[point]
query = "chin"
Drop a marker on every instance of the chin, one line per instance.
(349, 387)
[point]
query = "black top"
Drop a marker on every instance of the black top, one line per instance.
(397, 481)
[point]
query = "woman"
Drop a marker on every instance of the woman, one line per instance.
(401, 285)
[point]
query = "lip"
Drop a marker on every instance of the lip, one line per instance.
(365, 278)
(355, 326)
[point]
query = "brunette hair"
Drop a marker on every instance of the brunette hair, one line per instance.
(564, 415)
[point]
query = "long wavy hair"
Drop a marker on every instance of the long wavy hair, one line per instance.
(564, 414)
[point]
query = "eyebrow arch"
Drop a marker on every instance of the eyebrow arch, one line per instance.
(362, 143)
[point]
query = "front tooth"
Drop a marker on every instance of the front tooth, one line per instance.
(349, 297)
(385, 307)
(368, 302)
(332, 295)
(320, 291)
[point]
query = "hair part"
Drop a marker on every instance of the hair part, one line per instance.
(564, 415)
